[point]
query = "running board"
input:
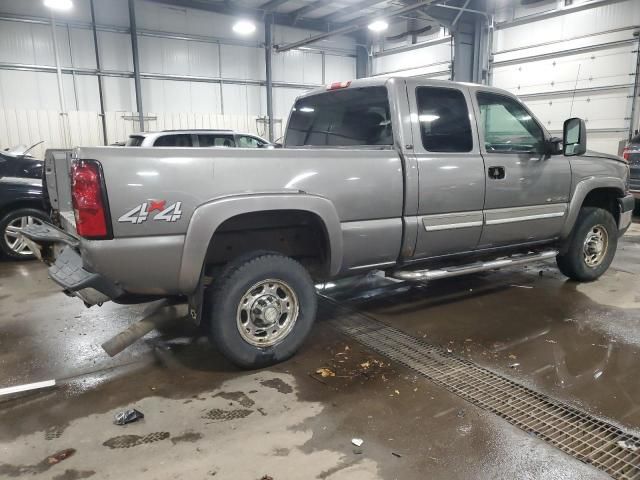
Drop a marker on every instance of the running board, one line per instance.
(417, 275)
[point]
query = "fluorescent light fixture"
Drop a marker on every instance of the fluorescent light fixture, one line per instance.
(378, 25)
(59, 4)
(244, 27)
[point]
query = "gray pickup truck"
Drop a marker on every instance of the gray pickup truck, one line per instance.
(421, 179)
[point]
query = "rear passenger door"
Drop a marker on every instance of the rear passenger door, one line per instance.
(450, 170)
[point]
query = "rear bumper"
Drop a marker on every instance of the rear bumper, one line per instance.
(58, 250)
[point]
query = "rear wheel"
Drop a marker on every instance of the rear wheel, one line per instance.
(592, 245)
(11, 242)
(263, 308)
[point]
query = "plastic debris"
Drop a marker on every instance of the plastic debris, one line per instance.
(627, 445)
(128, 416)
(357, 442)
(396, 454)
(60, 456)
(514, 365)
(325, 372)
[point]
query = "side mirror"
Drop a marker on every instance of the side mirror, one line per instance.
(574, 137)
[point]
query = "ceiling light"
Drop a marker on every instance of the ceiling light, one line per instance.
(58, 4)
(378, 26)
(244, 27)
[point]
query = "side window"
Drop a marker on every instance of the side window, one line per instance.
(180, 140)
(444, 120)
(134, 141)
(209, 140)
(248, 142)
(507, 126)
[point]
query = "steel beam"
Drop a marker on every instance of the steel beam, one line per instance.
(136, 62)
(103, 118)
(268, 47)
(272, 5)
(355, 25)
(337, 17)
(301, 12)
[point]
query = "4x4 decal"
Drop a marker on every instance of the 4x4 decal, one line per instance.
(142, 212)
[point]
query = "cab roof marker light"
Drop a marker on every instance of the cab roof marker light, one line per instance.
(338, 85)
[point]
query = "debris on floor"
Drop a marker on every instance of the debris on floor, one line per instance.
(627, 445)
(514, 365)
(266, 477)
(128, 416)
(60, 456)
(396, 454)
(357, 442)
(27, 387)
(325, 372)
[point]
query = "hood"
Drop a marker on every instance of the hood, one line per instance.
(592, 154)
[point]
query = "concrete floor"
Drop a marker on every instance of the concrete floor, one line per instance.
(204, 418)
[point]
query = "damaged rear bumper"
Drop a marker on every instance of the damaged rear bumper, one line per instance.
(58, 249)
(627, 205)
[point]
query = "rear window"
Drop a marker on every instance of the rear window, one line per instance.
(209, 140)
(180, 140)
(134, 141)
(349, 117)
(444, 120)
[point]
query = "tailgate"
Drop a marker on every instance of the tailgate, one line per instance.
(57, 187)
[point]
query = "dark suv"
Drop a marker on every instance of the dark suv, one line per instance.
(631, 154)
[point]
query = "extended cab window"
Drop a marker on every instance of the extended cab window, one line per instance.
(180, 140)
(507, 126)
(134, 141)
(444, 120)
(209, 140)
(346, 117)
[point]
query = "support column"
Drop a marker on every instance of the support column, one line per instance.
(362, 56)
(64, 123)
(99, 69)
(470, 50)
(268, 48)
(136, 62)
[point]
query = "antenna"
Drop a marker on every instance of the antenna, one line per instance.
(574, 90)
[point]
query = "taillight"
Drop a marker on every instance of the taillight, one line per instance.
(625, 153)
(88, 200)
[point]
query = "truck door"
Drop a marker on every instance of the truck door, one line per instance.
(450, 169)
(527, 191)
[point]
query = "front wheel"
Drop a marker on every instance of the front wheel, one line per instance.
(592, 245)
(11, 242)
(263, 308)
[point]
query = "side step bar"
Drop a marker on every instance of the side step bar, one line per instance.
(417, 275)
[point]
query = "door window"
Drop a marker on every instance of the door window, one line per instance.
(508, 127)
(180, 140)
(444, 120)
(210, 140)
(245, 141)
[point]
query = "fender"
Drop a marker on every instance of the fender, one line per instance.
(208, 217)
(580, 193)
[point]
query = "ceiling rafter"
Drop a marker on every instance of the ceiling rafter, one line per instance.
(272, 5)
(337, 17)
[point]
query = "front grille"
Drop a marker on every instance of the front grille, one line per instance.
(588, 439)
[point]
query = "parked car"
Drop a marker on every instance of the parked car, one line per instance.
(631, 154)
(20, 200)
(422, 179)
(197, 138)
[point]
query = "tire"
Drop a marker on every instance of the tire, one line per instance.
(587, 257)
(10, 225)
(262, 309)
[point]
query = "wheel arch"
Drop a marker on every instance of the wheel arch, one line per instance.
(594, 192)
(208, 219)
(19, 203)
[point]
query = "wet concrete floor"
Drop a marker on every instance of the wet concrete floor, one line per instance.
(204, 418)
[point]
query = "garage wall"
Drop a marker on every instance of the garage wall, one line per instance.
(429, 56)
(545, 51)
(196, 73)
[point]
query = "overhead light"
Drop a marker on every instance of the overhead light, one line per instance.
(58, 4)
(307, 109)
(378, 26)
(244, 27)
(428, 117)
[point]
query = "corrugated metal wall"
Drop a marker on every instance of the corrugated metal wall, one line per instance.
(592, 51)
(172, 42)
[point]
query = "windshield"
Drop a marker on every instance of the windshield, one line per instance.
(348, 117)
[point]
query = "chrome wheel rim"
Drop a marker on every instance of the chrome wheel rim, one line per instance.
(13, 238)
(267, 313)
(595, 246)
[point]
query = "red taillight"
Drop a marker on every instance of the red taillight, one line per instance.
(87, 198)
(625, 153)
(337, 85)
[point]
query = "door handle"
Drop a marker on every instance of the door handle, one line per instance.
(496, 173)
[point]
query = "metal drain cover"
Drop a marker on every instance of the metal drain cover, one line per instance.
(590, 440)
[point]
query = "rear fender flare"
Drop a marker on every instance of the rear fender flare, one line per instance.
(580, 193)
(207, 218)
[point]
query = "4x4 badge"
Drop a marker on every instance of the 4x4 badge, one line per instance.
(142, 212)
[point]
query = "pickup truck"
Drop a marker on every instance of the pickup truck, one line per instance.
(421, 179)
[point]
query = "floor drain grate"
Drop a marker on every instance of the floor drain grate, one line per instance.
(577, 433)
